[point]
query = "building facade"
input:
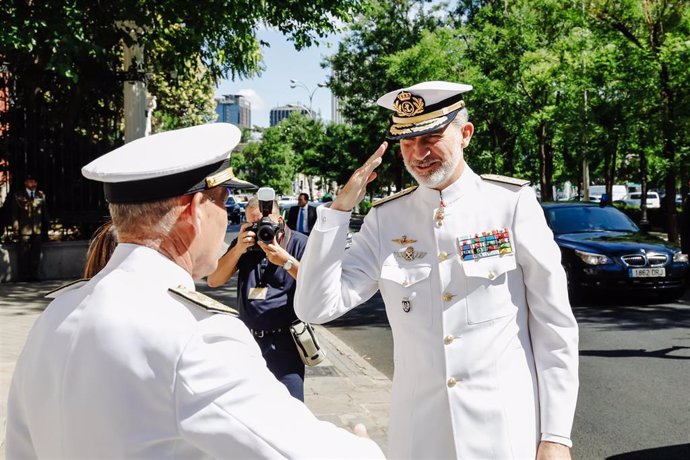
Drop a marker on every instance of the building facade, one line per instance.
(235, 109)
(282, 112)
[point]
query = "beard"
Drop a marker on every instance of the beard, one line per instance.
(441, 174)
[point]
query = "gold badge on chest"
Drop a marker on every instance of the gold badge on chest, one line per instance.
(409, 254)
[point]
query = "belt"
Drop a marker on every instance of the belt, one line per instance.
(263, 333)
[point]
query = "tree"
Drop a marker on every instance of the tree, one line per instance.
(268, 163)
(658, 30)
(65, 59)
(360, 71)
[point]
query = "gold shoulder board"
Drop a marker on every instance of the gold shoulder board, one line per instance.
(505, 179)
(394, 196)
(65, 288)
(203, 301)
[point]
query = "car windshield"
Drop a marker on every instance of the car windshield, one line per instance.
(578, 219)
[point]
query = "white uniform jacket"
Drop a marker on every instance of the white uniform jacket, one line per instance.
(121, 368)
(486, 355)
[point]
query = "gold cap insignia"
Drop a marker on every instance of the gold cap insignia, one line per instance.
(408, 105)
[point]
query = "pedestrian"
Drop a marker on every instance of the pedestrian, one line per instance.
(266, 276)
(485, 339)
(135, 363)
(30, 221)
(302, 217)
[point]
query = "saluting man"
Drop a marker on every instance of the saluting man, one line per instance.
(134, 363)
(485, 340)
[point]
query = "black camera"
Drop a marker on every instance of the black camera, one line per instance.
(265, 229)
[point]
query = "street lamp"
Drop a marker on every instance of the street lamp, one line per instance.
(296, 83)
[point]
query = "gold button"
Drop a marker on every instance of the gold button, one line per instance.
(447, 297)
(452, 382)
(492, 275)
(406, 283)
(448, 339)
(443, 255)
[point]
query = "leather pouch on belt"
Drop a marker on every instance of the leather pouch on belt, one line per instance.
(307, 344)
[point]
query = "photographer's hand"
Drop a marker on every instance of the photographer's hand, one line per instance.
(356, 186)
(227, 264)
(279, 256)
(246, 238)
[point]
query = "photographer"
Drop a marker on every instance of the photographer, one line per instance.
(266, 254)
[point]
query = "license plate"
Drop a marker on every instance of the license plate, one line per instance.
(647, 272)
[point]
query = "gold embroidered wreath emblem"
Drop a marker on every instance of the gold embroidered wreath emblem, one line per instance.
(408, 105)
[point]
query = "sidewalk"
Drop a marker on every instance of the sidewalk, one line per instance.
(344, 389)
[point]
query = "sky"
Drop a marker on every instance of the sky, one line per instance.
(282, 63)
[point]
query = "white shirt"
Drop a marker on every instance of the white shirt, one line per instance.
(121, 368)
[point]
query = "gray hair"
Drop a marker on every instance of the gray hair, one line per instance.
(461, 118)
(254, 203)
(146, 222)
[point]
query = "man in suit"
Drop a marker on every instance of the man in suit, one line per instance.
(302, 217)
(485, 339)
(30, 221)
(134, 363)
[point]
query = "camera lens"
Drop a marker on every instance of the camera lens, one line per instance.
(266, 233)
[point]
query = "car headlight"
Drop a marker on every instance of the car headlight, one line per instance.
(592, 259)
(680, 257)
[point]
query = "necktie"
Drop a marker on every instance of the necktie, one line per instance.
(300, 221)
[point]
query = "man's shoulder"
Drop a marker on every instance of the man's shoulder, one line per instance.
(395, 196)
(505, 181)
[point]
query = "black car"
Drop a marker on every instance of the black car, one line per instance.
(602, 249)
(234, 211)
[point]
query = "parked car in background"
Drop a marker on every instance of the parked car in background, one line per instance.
(618, 191)
(233, 210)
(635, 199)
(603, 251)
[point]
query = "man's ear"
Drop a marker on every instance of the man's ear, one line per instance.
(467, 132)
(195, 211)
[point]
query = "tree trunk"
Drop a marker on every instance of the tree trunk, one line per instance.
(669, 153)
(545, 165)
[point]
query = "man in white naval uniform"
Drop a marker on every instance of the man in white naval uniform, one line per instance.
(134, 363)
(485, 342)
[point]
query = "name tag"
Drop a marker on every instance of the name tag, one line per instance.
(258, 293)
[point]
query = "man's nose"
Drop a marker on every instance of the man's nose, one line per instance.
(420, 149)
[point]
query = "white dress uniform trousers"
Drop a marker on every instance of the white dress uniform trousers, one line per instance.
(485, 349)
(121, 368)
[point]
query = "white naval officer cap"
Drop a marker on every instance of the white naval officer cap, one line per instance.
(168, 164)
(423, 108)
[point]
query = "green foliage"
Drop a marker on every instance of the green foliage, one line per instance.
(364, 207)
(269, 163)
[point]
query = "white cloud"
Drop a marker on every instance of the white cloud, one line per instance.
(258, 103)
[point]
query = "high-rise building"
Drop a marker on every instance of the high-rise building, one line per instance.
(282, 112)
(336, 112)
(235, 109)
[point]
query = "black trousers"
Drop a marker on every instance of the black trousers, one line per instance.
(282, 359)
(29, 257)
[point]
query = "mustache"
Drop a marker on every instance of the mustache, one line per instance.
(423, 163)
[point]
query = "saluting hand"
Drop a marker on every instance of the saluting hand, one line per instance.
(356, 186)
